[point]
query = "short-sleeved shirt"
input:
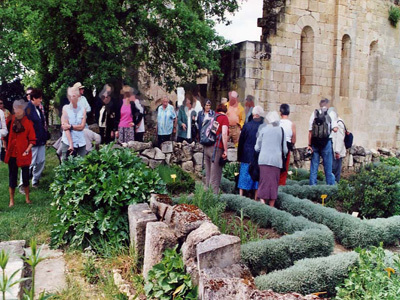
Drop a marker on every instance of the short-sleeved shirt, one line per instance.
(75, 117)
(222, 120)
(165, 120)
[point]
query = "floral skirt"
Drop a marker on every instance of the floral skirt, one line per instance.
(126, 134)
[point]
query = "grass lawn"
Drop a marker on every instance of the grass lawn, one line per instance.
(23, 221)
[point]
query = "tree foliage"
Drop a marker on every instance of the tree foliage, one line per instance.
(56, 42)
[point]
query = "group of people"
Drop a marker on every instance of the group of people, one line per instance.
(264, 144)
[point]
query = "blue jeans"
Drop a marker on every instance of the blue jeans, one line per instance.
(327, 158)
(337, 168)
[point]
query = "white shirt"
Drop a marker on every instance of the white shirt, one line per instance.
(3, 127)
(82, 101)
(338, 139)
(331, 114)
(286, 125)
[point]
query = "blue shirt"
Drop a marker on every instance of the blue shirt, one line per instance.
(165, 120)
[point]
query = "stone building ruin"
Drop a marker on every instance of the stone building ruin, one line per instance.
(345, 50)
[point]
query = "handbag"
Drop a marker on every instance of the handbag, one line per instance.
(254, 168)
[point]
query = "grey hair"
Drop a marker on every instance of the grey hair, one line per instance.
(72, 91)
(20, 104)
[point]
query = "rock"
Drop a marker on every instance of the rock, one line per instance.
(204, 232)
(159, 237)
(150, 153)
(116, 146)
(198, 169)
(154, 163)
(384, 151)
(198, 147)
(375, 153)
(359, 159)
(167, 147)
(187, 153)
(360, 151)
(15, 249)
(232, 154)
(145, 160)
(159, 154)
(398, 153)
(160, 205)
(218, 251)
(138, 216)
(168, 157)
(235, 282)
(187, 166)
(138, 146)
(53, 267)
(198, 158)
(186, 218)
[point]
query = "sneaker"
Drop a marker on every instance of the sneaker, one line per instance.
(21, 189)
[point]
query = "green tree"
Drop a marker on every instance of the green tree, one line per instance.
(56, 42)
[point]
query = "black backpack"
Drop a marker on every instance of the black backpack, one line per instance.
(321, 128)
(208, 132)
(348, 137)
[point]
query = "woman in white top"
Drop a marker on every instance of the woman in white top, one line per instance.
(290, 132)
(3, 128)
(73, 121)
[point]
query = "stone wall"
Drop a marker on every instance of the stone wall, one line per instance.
(345, 50)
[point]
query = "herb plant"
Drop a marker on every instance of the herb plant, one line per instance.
(168, 279)
(394, 15)
(92, 194)
(182, 183)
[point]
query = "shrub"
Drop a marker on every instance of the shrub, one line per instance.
(227, 186)
(373, 191)
(183, 181)
(310, 275)
(310, 192)
(230, 169)
(351, 232)
(390, 161)
(92, 193)
(303, 174)
(394, 15)
(168, 279)
(304, 239)
(374, 277)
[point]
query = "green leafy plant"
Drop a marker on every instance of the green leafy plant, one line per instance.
(230, 169)
(390, 161)
(92, 194)
(373, 191)
(182, 183)
(376, 276)
(394, 15)
(246, 231)
(90, 271)
(168, 279)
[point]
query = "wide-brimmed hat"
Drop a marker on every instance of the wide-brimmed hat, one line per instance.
(78, 85)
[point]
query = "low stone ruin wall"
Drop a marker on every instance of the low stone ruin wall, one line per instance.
(212, 259)
(190, 156)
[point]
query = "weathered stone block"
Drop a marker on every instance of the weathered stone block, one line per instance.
(145, 160)
(198, 158)
(161, 205)
(150, 153)
(218, 251)
(159, 155)
(186, 218)
(187, 166)
(159, 237)
(232, 154)
(138, 146)
(154, 163)
(138, 216)
(187, 153)
(167, 147)
(168, 158)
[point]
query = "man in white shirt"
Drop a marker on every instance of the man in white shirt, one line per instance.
(322, 125)
(339, 148)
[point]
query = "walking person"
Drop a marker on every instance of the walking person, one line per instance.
(21, 138)
(213, 153)
(290, 132)
(165, 121)
(247, 141)
(322, 125)
(37, 117)
(271, 144)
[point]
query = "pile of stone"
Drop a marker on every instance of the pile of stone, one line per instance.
(212, 259)
(356, 157)
(188, 156)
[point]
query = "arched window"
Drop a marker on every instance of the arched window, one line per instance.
(373, 71)
(306, 60)
(345, 66)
